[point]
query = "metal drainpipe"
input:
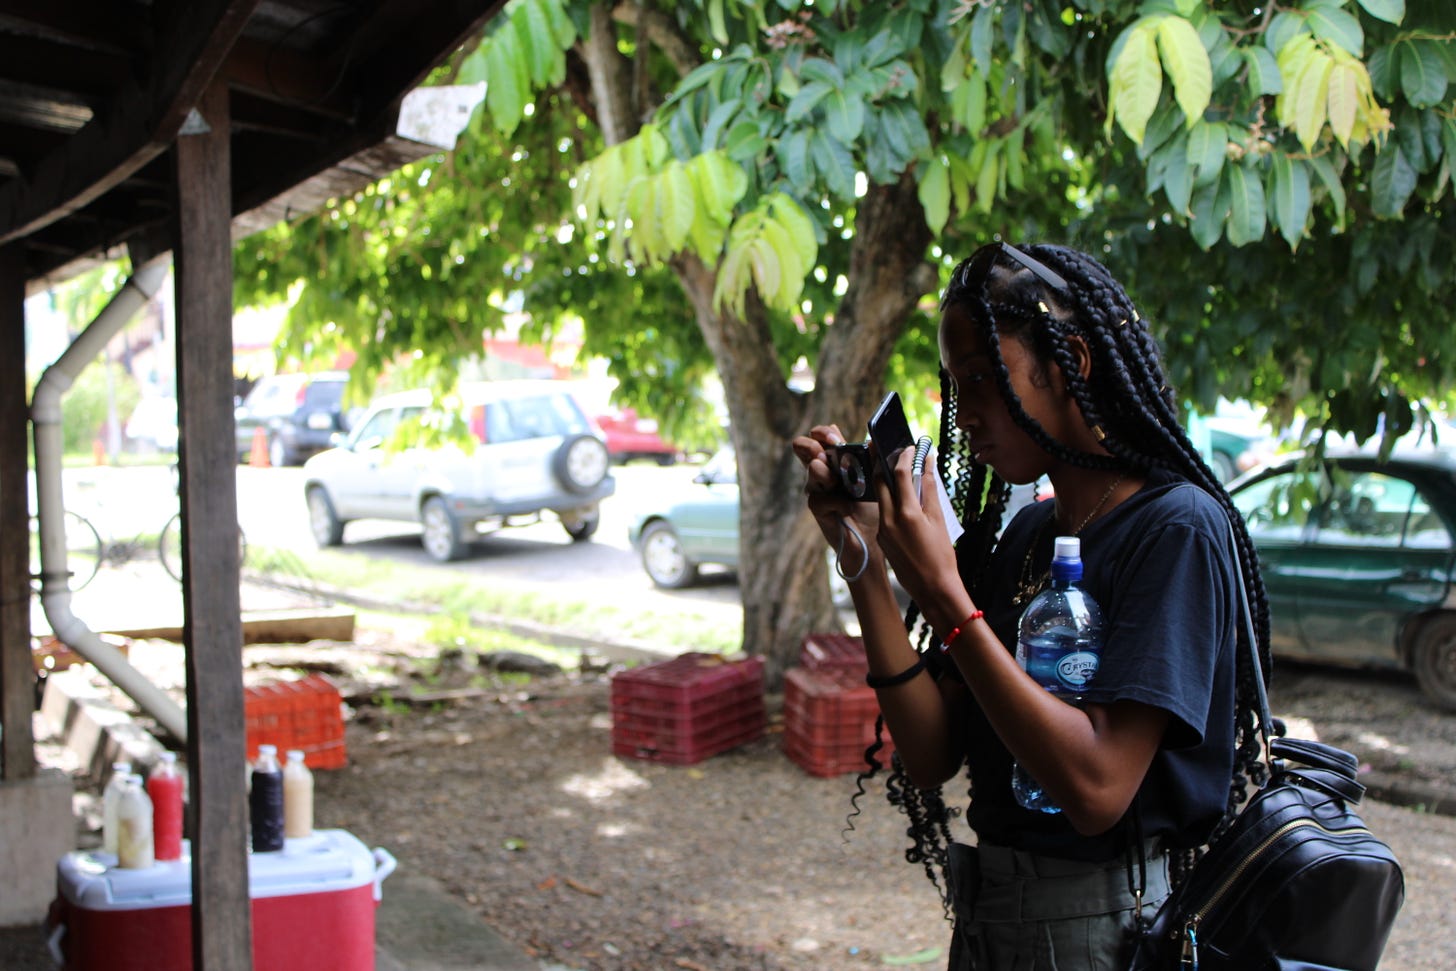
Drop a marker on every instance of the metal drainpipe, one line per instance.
(45, 416)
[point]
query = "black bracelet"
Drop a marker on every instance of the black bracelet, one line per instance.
(877, 681)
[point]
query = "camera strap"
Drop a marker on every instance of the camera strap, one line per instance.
(845, 527)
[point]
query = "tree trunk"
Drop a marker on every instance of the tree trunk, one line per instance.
(783, 575)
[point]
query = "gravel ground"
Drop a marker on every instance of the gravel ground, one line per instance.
(507, 793)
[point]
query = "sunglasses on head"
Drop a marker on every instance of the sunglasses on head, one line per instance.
(981, 261)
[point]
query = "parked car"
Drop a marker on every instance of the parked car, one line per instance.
(1358, 558)
(534, 451)
(630, 437)
(152, 426)
(299, 413)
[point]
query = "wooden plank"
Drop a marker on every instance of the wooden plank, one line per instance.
(268, 627)
(211, 609)
(17, 675)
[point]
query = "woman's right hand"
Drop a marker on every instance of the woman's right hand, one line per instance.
(830, 506)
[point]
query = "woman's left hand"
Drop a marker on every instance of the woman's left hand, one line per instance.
(913, 536)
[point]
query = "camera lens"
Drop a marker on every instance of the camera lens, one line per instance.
(853, 474)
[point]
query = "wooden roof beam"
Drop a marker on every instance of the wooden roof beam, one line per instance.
(134, 126)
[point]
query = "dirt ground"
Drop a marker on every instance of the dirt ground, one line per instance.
(506, 791)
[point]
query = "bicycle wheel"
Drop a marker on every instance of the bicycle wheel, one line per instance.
(169, 547)
(83, 551)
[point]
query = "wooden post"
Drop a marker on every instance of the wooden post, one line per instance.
(17, 675)
(211, 606)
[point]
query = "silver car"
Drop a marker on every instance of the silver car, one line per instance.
(531, 450)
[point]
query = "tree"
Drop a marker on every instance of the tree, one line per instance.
(804, 174)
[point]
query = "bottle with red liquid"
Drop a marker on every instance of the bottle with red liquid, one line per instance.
(164, 786)
(265, 801)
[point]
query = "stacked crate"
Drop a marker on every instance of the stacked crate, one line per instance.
(307, 715)
(687, 709)
(829, 711)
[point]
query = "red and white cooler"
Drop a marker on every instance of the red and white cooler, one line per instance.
(313, 909)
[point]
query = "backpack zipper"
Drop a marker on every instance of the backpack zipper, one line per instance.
(1189, 957)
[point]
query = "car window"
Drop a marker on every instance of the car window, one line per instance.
(378, 429)
(1375, 509)
(519, 419)
(324, 394)
(1278, 508)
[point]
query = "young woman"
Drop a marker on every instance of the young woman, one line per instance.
(1048, 370)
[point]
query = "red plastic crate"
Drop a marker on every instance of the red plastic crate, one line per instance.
(687, 709)
(306, 714)
(820, 651)
(829, 721)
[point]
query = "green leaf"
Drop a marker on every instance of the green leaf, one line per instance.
(1308, 97)
(988, 175)
(1210, 210)
(744, 142)
(794, 156)
(1448, 145)
(806, 100)
(818, 69)
(1382, 68)
(473, 68)
(1343, 100)
(797, 224)
(1391, 181)
(983, 29)
(1207, 150)
(845, 116)
(882, 48)
(1330, 179)
(1137, 81)
(1263, 71)
(934, 193)
(1334, 25)
(1390, 11)
(717, 29)
(1422, 75)
(1282, 29)
(505, 85)
(675, 206)
(719, 117)
(1247, 217)
(541, 50)
(834, 163)
(1289, 194)
(1187, 64)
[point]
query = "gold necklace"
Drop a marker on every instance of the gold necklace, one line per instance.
(1030, 586)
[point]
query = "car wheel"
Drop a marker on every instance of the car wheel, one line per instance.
(1434, 660)
(581, 463)
(278, 453)
(663, 557)
(581, 526)
(323, 522)
(441, 537)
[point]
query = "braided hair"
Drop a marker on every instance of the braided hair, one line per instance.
(1133, 413)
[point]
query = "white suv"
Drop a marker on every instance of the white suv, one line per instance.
(535, 449)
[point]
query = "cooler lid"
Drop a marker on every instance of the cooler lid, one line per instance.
(329, 860)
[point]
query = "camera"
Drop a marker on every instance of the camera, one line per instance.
(854, 466)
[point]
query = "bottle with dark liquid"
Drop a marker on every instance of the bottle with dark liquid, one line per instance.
(265, 801)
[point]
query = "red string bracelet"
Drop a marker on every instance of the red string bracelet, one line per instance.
(945, 641)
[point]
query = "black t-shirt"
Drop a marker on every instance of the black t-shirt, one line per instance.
(1161, 566)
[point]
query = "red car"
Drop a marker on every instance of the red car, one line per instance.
(630, 437)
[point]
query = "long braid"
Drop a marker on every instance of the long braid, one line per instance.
(1134, 412)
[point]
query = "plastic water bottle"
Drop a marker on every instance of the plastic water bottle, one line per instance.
(1059, 643)
(110, 797)
(134, 847)
(265, 801)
